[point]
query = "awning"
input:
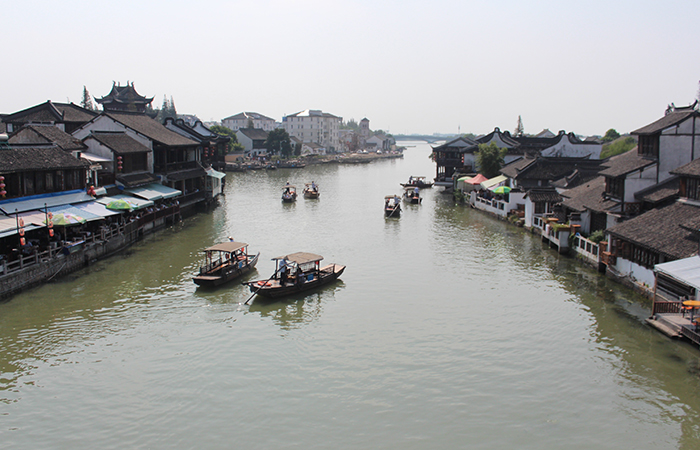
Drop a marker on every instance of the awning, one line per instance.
(136, 202)
(476, 180)
(94, 158)
(154, 191)
(495, 181)
(33, 220)
(40, 201)
(74, 211)
(215, 173)
(686, 271)
(97, 209)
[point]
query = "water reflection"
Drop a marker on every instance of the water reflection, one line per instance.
(296, 311)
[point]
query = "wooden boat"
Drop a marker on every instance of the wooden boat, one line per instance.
(392, 206)
(419, 182)
(311, 191)
(295, 273)
(289, 194)
(411, 195)
(225, 262)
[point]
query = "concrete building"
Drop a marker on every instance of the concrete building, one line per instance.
(246, 119)
(315, 126)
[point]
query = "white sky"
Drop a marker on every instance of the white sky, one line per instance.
(408, 66)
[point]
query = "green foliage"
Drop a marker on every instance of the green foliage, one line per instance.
(167, 110)
(86, 102)
(597, 236)
(519, 129)
(610, 135)
(350, 125)
(278, 142)
(617, 147)
(223, 131)
(489, 158)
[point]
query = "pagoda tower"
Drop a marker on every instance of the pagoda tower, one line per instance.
(124, 99)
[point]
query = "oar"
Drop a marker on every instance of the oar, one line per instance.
(273, 276)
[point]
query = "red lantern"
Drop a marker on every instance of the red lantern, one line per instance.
(21, 231)
(51, 232)
(22, 242)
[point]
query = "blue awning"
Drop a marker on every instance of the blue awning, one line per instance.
(29, 203)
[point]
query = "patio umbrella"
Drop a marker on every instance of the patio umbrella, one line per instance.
(64, 219)
(501, 190)
(119, 205)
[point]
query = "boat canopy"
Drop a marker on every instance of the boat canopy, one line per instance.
(300, 258)
(226, 247)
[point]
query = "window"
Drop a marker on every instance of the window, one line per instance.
(692, 188)
(649, 146)
(615, 187)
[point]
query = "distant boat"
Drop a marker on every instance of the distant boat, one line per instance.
(291, 165)
(295, 273)
(289, 194)
(225, 262)
(392, 206)
(419, 182)
(311, 191)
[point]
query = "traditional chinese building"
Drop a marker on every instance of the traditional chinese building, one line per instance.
(124, 98)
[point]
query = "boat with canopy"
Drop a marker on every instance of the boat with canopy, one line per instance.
(294, 273)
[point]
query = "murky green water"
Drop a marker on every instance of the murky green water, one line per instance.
(449, 329)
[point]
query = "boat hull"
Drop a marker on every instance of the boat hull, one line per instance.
(311, 194)
(273, 288)
(225, 273)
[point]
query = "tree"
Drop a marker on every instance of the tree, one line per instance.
(233, 144)
(278, 141)
(610, 135)
(519, 129)
(86, 102)
(167, 110)
(489, 158)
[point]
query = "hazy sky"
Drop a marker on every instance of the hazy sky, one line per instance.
(408, 66)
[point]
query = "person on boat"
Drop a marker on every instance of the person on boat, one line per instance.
(283, 271)
(416, 191)
(313, 185)
(397, 200)
(410, 179)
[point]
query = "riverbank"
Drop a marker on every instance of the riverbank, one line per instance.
(308, 160)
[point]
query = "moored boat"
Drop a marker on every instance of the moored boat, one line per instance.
(289, 194)
(392, 206)
(412, 195)
(225, 262)
(295, 273)
(419, 182)
(311, 190)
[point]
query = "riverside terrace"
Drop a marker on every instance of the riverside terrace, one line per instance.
(63, 233)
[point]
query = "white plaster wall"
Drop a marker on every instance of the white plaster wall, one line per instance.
(529, 212)
(636, 181)
(675, 151)
(245, 141)
(639, 273)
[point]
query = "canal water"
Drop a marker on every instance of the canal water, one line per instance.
(448, 329)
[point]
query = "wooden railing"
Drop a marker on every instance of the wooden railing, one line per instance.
(666, 307)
